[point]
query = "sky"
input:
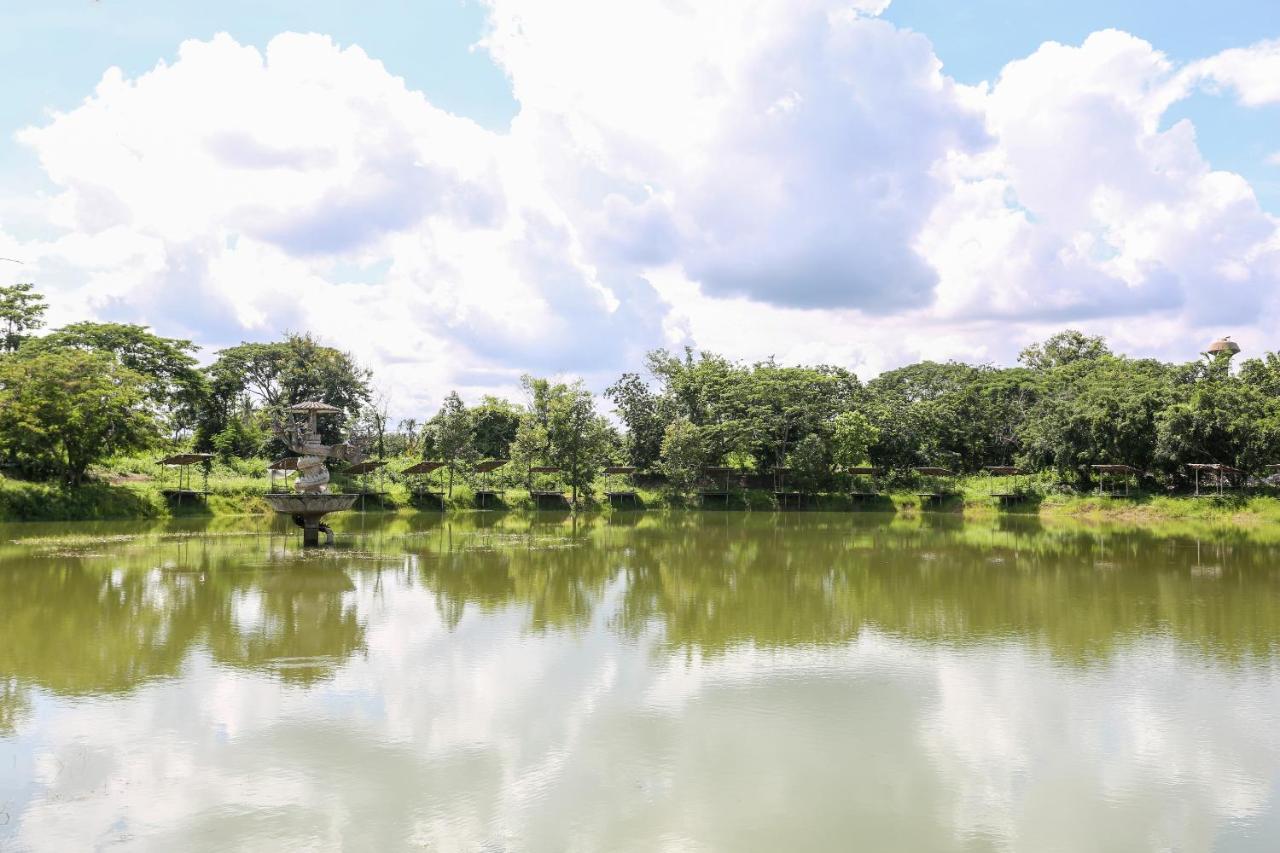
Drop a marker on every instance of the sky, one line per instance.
(460, 192)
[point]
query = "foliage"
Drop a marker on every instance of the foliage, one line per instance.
(1070, 405)
(643, 413)
(1066, 347)
(21, 310)
(274, 376)
(241, 437)
(176, 388)
(577, 437)
(452, 435)
(810, 463)
(494, 423)
(684, 454)
(62, 410)
(852, 435)
(1097, 411)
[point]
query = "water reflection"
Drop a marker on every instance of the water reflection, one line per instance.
(721, 681)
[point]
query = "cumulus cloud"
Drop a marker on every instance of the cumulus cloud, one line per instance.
(1087, 208)
(786, 154)
(240, 189)
(796, 179)
(1253, 72)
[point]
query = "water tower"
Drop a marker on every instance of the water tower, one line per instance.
(1223, 347)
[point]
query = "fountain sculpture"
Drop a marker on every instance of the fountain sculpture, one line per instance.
(311, 500)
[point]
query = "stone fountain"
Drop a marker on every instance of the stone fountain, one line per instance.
(311, 500)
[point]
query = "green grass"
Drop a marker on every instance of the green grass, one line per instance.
(132, 487)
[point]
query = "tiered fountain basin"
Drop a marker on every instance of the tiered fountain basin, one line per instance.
(307, 510)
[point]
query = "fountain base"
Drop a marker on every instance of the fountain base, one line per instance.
(306, 510)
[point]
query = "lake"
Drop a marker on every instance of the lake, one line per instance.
(639, 682)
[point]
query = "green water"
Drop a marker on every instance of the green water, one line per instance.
(720, 681)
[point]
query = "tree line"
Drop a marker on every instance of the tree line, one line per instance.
(75, 395)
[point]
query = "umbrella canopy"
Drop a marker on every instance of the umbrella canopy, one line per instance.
(314, 407)
(186, 458)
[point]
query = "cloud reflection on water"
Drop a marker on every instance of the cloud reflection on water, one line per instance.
(752, 686)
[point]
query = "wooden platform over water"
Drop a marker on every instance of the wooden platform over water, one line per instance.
(549, 499)
(183, 495)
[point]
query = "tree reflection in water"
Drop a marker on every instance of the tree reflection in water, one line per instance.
(103, 614)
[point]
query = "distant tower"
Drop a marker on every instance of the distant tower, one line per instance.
(1223, 346)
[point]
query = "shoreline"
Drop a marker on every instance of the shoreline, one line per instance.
(24, 501)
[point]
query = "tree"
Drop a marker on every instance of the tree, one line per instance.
(951, 414)
(453, 434)
(778, 406)
(810, 463)
(407, 436)
(63, 410)
(21, 310)
(1221, 419)
(1096, 411)
(530, 446)
(176, 388)
(372, 424)
(1064, 348)
(494, 423)
(274, 376)
(852, 435)
(642, 413)
(577, 437)
(684, 454)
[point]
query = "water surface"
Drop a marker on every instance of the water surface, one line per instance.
(719, 681)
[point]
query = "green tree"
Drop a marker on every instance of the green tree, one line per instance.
(21, 310)
(1066, 347)
(274, 376)
(64, 410)
(176, 388)
(578, 438)
(949, 414)
(1221, 419)
(494, 423)
(684, 454)
(453, 435)
(530, 447)
(810, 463)
(852, 435)
(1097, 411)
(778, 407)
(643, 414)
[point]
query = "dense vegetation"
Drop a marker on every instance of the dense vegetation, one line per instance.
(74, 396)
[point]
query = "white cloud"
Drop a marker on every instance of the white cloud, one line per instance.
(1253, 72)
(800, 180)
(230, 194)
(784, 154)
(1087, 209)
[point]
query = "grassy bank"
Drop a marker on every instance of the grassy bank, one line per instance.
(133, 488)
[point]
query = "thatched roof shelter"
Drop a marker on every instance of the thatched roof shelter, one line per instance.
(186, 458)
(423, 468)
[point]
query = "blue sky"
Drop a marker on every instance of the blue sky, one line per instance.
(976, 38)
(60, 53)
(757, 177)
